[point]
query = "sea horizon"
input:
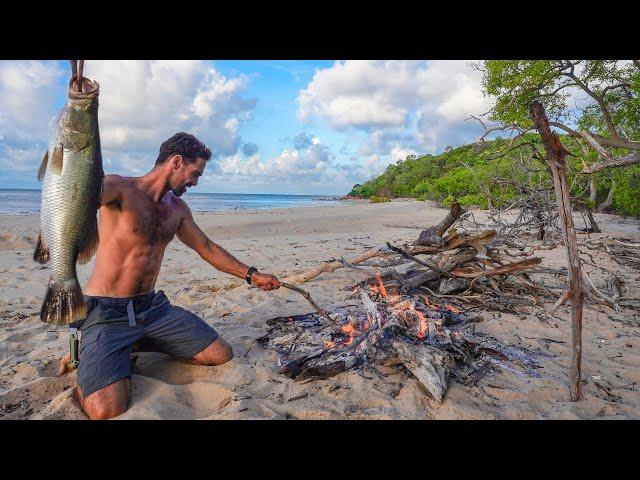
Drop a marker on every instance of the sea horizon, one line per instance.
(25, 201)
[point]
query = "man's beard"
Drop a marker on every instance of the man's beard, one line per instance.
(177, 191)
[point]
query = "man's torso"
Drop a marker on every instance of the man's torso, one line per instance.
(134, 232)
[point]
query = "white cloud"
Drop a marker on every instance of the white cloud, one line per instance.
(27, 102)
(361, 93)
(401, 104)
(142, 103)
(309, 161)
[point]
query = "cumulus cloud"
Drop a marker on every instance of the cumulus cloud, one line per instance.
(26, 98)
(142, 103)
(309, 160)
(400, 104)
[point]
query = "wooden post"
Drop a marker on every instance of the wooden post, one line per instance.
(555, 157)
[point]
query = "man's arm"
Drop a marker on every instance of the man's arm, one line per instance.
(192, 236)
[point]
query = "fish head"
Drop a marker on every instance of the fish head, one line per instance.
(79, 119)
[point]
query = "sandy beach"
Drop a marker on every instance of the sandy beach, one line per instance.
(290, 241)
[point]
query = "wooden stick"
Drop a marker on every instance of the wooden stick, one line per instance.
(80, 73)
(306, 295)
(560, 301)
(331, 266)
(555, 158)
(509, 268)
(433, 267)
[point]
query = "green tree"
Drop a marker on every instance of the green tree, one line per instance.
(595, 102)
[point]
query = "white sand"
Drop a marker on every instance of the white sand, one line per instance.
(290, 241)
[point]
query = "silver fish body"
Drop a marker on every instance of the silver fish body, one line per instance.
(72, 177)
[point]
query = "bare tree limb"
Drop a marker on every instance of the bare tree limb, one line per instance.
(631, 159)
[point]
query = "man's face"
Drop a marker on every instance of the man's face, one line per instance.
(185, 175)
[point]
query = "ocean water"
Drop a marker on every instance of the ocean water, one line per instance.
(16, 202)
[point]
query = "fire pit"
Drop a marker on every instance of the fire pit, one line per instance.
(432, 341)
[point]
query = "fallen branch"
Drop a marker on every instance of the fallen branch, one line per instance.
(433, 235)
(433, 267)
(510, 268)
(331, 266)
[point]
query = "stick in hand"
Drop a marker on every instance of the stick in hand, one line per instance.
(306, 295)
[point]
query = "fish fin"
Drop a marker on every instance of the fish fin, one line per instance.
(41, 253)
(56, 160)
(90, 245)
(43, 166)
(63, 303)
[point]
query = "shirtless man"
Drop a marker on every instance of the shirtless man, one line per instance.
(138, 217)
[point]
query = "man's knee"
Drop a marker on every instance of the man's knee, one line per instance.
(217, 353)
(108, 402)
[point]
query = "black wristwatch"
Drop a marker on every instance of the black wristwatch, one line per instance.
(249, 272)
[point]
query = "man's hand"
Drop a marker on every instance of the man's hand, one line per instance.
(264, 281)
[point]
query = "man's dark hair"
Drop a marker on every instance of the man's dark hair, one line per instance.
(183, 144)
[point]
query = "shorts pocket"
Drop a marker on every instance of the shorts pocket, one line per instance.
(89, 352)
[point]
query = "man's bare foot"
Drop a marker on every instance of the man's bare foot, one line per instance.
(63, 364)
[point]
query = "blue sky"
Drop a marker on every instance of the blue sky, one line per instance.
(295, 127)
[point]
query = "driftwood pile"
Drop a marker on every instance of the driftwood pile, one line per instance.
(469, 269)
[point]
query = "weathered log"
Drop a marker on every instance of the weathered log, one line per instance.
(430, 365)
(453, 285)
(429, 265)
(433, 235)
(555, 158)
(505, 269)
(478, 241)
(331, 266)
(462, 256)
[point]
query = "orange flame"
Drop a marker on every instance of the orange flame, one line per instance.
(429, 304)
(383, 291)
(349, 330)
(328, 344)
(451, 308)
(424, 326)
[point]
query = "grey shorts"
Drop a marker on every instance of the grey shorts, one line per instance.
(114, 325)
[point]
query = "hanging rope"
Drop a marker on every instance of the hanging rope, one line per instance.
(77, 67)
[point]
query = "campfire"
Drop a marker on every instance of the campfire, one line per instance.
(433, 341)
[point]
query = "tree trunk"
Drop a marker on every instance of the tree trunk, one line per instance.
(609, 201)
(594, 226)
(592, 190)
(555, 157)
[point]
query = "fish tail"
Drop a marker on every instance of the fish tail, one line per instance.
(63, 302)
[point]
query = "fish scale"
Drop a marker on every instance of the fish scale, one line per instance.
(71, 191)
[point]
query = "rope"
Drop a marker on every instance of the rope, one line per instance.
(77, 67)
